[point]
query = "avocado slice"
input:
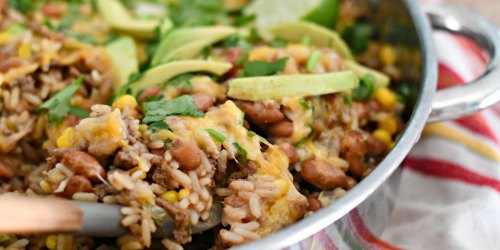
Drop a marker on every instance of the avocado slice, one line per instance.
(381, 79)
(187, 43)
(119, 18)
(318, 35)
(123, 53)
(165, 72)
(278, 87)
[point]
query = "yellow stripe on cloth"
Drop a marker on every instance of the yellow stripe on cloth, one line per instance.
(448, 132)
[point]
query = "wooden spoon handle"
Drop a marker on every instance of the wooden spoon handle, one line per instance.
(20, 214)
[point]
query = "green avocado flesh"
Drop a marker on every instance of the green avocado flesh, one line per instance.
(318, 35)
(124, 56)
(121, 20)
(278, 87)
(187, 43)
(165, 72)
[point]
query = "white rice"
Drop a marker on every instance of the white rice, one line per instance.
(231, 237)
(255, 206)
(81, 196)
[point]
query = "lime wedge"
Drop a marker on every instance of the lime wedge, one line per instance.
(270, 13)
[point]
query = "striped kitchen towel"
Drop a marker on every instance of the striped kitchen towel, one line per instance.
(449, 196)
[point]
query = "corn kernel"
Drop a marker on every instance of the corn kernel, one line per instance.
(184, 193)
(385, 97)
(24, 51)
(51, 242)
(282, 185)
(66, 139)
(138, 168)
(387, 55)
(170, 196)
(125, 101)
(383, 136)
(45, 186)
(388, 124)
(262, 54)
(4, 37)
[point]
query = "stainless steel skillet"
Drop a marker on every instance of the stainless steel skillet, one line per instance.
(369, 204)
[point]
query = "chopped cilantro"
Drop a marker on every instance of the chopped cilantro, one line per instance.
(278, 43)
(205, 52)
(254, 35)
(358, 36)
(348, 100)
(135, 77)
(365, 89)
(182, 80)
(242, 59)
(157, 111)
(304, 103)
(23, 6)
(251, 134)
(196, 12)
(58, 106)
(243, 20)
(403, 92)
(157, 126)
(79, 112)
(263, 68)
(241, 151)
(305, 139)
(216, 135)
(236, 40)
(312, 61)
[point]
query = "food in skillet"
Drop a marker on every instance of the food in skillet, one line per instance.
(170, 113)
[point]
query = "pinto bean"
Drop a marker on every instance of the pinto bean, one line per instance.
(374, 147)
(314, 204)
(52, 10)
(353, 148)
(148, 92)
(322, 174)
(281, 129)
(262, 113)
(75, 184)
(203, 101)
(83, 164)
(5, 172)
(290, 151)
(186, 153)
(349, 183)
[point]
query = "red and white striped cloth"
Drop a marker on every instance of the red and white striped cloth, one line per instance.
(450, 188)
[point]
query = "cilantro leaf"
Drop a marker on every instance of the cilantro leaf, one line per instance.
(157, 111)
(236, 40)
(157, 126)
(263, 68)
(216, 135)
(365, 89)
(241, 151)
(197, 12)
(182, 80)
(79, 112)
(58, 106)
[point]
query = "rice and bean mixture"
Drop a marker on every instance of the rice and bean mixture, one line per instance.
(71, 127)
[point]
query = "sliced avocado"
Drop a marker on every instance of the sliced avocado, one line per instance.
(381, 79)
(278, 87)
(165, 72)
(318, 35)
(124, 55)
(187, 43)
(119, 18)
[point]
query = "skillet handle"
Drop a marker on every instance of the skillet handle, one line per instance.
(478, 94)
